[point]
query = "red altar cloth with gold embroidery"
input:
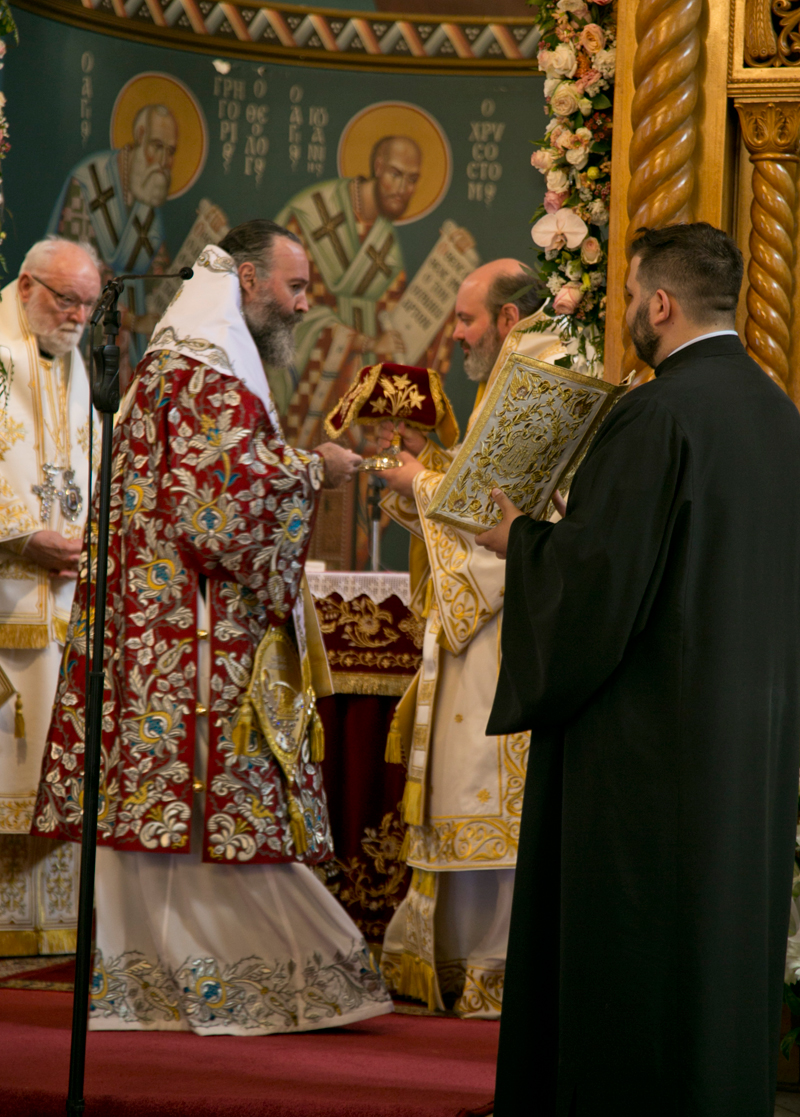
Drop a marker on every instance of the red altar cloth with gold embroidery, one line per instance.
(374, 646)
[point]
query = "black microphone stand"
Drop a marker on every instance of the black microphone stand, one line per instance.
(105, 399)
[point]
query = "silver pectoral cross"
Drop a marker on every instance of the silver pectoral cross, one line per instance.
(69, 496)
(47, 492)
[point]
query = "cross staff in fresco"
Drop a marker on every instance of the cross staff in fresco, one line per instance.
(112, 199)
(357, 277)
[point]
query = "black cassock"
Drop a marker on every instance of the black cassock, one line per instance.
(651, 642)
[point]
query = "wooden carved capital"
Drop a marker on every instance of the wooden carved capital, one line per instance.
(771, 131)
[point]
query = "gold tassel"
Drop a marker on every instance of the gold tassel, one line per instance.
(412, 803)
(240, 734)
(394, 743)
(298, 825)
(426, 608)
(405, 848)
(417, 980)
(19, 720)
(317, 736)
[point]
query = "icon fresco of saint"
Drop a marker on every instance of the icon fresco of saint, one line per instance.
(113, 198)
(395, 165)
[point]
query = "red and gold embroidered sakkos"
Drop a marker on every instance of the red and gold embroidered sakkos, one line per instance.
(202, 484)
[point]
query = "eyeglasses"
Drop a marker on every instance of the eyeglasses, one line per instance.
(64, 302)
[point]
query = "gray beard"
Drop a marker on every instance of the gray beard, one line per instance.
(479, 361)
(272, 329)
(59, 341)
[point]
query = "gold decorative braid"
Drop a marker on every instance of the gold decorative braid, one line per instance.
(353, 683)
(771, 131)
(666, 87)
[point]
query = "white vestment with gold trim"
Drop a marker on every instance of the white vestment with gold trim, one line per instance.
(45, 422)
(464, 790)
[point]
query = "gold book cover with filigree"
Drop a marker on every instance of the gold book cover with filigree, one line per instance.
(534, 427)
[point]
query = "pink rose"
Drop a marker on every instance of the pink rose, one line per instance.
(568, 298)
(542, 160)
(591, 252)
(553, 201)
(592, 38)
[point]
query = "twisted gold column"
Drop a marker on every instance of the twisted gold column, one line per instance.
(771, 131)
(664, 129)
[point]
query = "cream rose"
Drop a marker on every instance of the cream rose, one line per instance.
(564, 101)
(592, 38)
(557, 180)
(561, 62)
(578, 157)
(591, 251)
(542, 160)
(568, 298)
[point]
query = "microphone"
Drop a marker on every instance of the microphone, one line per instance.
(113, 289)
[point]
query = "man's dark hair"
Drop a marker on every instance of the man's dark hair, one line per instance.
(252, 242)
(513, 287)
(698, 264)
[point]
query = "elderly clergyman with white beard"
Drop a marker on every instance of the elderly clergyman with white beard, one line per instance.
(113, 199)
(44, 412)
(209, 917)
(447, 941)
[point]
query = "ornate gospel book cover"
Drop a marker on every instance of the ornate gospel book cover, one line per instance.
(533, 429)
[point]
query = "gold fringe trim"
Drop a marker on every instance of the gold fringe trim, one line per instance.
(394, 743)
(317, 738)
(19, 720)
(405, 847)
(417, 980)
(60, 941)
(22, 636)
(18, 944)
(412, 803)
(350, 683)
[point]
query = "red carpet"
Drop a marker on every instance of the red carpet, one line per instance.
(393, 1066)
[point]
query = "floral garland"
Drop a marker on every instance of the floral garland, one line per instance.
(577, 54)
(7, 27)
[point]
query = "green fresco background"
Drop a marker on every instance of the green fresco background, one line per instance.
(42, 82)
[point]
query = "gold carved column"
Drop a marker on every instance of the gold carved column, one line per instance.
(665, 130)
(771, 132)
